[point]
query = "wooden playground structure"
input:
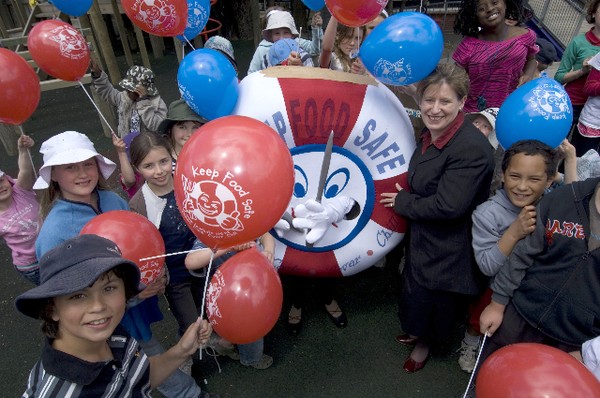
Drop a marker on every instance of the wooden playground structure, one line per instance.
(17, 17)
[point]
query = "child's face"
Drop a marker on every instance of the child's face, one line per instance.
(490, 13)
(90, 315)
(156, 168)
(373, 24)
(483, 125)
(77, 181)
(182, 131)
(525, 179)
(280, 33)
(350, 43)
(5, 189)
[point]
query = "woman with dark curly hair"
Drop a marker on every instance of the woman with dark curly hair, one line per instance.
(573, 73)
(497, 57)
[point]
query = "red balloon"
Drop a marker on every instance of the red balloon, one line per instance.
(244, 297)
(59, 49)
(135, 236)
(20, 88)
(233, 181)
(355, 12)
(158, 17)
(534, 370)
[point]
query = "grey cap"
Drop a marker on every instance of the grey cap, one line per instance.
(179, 111)
(223, 45)
(72, 266)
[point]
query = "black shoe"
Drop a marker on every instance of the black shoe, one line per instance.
(294, 327)
(338, 317)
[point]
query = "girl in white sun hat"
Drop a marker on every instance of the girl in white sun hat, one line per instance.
(73, 179)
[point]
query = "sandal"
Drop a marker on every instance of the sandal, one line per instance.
(230, 352)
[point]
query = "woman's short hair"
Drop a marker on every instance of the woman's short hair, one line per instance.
(449, 73)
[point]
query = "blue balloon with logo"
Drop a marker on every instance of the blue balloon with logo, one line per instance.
(208, 83)
(538, 110)
(198, 13)
(314, 5)
(75, 8)
(403, 49)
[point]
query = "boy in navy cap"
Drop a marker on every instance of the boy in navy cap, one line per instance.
(85, 283)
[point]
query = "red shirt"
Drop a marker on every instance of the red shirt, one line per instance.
(442, 140)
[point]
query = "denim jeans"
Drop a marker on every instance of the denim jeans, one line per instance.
(31, 276)
(251, 353)
(178, 384)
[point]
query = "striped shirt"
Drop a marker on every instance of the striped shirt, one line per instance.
(58, 374)
(494, 68)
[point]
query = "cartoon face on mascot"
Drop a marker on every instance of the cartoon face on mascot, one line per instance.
(372, 145)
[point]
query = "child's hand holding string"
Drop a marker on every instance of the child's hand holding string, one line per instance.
(24, 142)
(294, 59)
(119, 144)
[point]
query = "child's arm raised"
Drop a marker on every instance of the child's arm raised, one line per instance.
(328, 42)
(268, 243)
(161, 366)
(26, 176)
(127, 172)
(568, 150)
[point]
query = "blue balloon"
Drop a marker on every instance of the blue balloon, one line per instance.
(403, 49)
(198, 13)
(208, 83)
(538, 110)
(75, 8)
(314, 5)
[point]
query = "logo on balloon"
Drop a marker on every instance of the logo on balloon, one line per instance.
(159, 15)
(550, 102)
(197, 15)
(215, 288)
(150, 270)
(214, 203)
(396, 72)
(69, 40)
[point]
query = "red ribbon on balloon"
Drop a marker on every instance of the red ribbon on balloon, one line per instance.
(244, 297)
(59, 49)
(136, 237)
(20, 88)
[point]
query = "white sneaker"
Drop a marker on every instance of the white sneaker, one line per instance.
(186, 367)
(468, 356)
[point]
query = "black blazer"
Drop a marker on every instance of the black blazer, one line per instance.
(445, 187)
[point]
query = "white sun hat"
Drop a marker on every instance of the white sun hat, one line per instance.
(66, 148)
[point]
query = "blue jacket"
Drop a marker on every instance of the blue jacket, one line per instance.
(66, 218)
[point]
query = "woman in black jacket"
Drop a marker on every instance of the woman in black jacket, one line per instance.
(449, 175)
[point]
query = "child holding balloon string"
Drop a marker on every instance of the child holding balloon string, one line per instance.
(19, 213)
(151, 157)
(280, 24)
(250, 354)
(73, 178)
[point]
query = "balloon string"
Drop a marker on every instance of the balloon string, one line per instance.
(188, 42)
(172, 254)
(29, 154)
(97, 109)
(206, 279)
(476, 363)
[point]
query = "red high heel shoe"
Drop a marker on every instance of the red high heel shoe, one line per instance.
(412, 366)
(406, 339)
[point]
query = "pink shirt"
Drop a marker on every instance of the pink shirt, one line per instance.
(494, 68)
(19, 227)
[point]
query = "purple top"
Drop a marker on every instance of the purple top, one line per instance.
(494, 68)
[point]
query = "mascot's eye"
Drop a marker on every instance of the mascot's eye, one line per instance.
(336, 182)
(301, 182)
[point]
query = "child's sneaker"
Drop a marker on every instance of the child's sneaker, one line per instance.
(265, 362)
(468, 356)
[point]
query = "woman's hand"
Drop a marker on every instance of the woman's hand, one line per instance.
(389, 198)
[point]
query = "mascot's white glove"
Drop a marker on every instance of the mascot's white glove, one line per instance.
(281, 227)
(319, 216)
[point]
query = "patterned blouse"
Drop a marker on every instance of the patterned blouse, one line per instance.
(494, 68)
